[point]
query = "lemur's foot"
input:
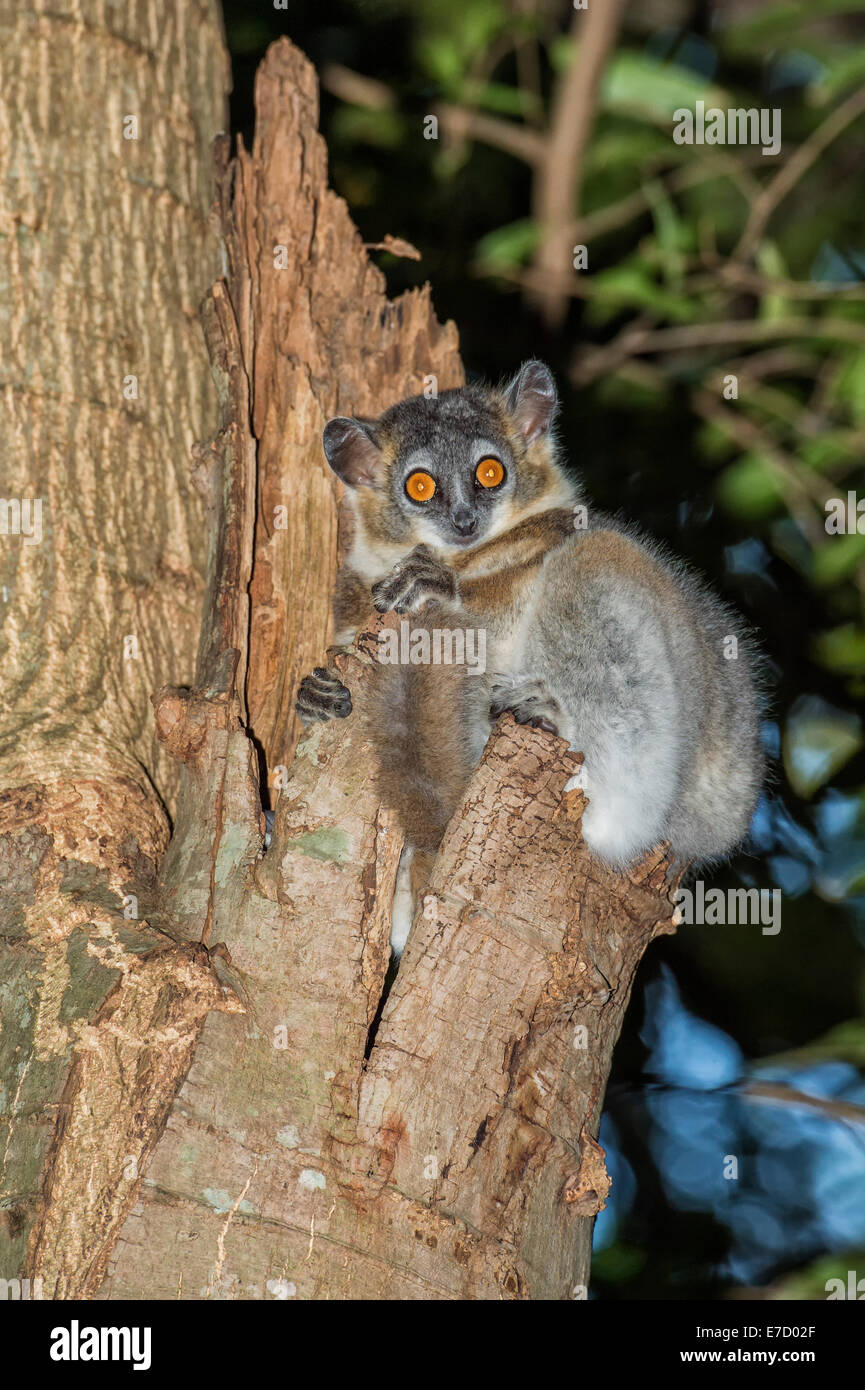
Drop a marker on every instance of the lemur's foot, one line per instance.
(542, 723)
(528, 701)
(322, 696)
(413, 581)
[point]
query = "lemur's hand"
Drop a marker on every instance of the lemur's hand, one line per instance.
(413, 581)
(322, 696)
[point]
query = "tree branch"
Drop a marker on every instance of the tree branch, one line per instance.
(572, 116)
(797, 165)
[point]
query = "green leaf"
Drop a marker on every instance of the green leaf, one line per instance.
(466, 30)
(837, 559)
(773, 306)
(849, 385)
(478, 22)
(830, 450)
(358, 125)
(843, 1043)
(633, 82)
(818, 740)
(247, 34)
(673, 236)
(811, 1284)
(629, 286)
(618, 1263)
(842, 649)
(630, 145)
(441, 59)
(632, 391)
(843, 71)
(500, 97)
(507, 247)
(749, 488)
(713, 443)
(779, 23)
(561, 52)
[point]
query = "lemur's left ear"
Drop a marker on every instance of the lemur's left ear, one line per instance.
(532, 399)
(351, 451)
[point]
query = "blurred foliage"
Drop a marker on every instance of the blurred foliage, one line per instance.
(705, 264)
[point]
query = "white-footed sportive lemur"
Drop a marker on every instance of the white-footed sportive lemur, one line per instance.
(464, 516)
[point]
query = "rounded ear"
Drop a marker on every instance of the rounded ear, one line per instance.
(351, 451)
(532, 399)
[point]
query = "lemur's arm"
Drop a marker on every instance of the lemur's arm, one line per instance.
(482, 581)
(421, 576)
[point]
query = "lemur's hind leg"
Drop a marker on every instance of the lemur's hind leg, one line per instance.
(603, 643)
(529, 701)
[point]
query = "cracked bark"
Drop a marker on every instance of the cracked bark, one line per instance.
(212, 1125)
(105, 252)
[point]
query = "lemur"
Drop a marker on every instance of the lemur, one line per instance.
(462, 509)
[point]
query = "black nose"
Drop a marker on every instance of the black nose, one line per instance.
(464, 521)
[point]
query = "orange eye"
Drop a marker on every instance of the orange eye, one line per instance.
(420, 487)
(489, 472)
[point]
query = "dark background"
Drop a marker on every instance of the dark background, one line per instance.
(717, 1008)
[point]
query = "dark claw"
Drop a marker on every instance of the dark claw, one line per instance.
(329, 679)
(540, 723)
(523, 716)
(528, 701)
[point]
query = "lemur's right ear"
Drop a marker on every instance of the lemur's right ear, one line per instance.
(532, 399)
(352, 452)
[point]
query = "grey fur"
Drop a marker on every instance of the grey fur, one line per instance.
(605, 637)
(640, 684)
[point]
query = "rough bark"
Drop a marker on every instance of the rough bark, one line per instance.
(321, 338)
(105, 252)
(460, 1160)
(236, 1121)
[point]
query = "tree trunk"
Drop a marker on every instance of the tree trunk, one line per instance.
(205, 1102)
(107, 115)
